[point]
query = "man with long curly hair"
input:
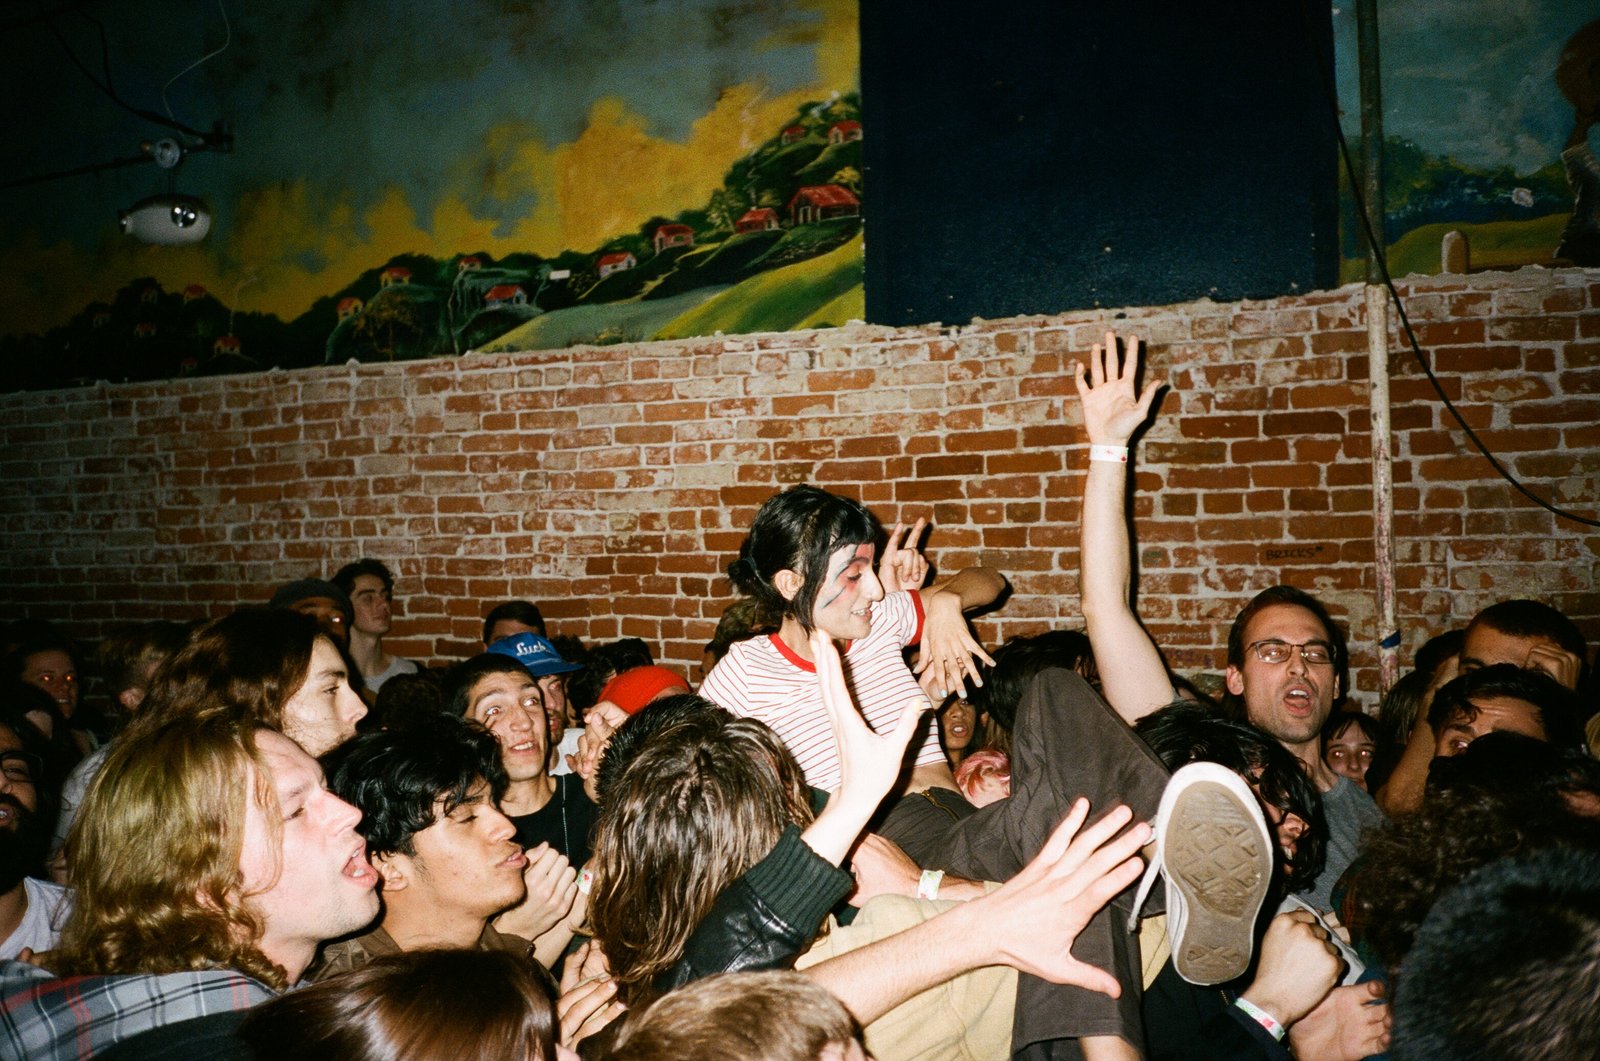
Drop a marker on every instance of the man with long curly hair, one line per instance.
(243, 863)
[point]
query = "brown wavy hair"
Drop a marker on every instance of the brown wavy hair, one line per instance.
(164, 819)
(248, 663)
(429, 1005)
(703, 802)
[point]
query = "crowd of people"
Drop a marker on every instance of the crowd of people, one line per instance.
(863, 833)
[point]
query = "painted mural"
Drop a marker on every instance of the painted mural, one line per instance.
(204, 189)
(1492, 119)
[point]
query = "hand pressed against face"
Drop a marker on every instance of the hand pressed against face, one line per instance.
(309, 879)
(467, 859)
(510, 706)
(323, 712)
(1290, 700)
(1485, 646)
(52, 671)
(843, 607)
(1350, 753)
(373, 605)
(1495, 714)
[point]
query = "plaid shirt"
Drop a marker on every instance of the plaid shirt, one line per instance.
(47, 1018)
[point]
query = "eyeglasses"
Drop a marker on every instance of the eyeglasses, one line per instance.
(21, 768)
(1315, 653)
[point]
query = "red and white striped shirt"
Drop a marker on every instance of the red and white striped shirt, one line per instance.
(763, 678)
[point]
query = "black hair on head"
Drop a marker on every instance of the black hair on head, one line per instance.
(1555, 704)
(1187, 732)
(1507, 964)
(798, 530)
(346, 576)
(404, 780)
(1018, 660)
(1300, 599)
(459, 680)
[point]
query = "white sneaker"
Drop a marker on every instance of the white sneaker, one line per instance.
(1214, 849)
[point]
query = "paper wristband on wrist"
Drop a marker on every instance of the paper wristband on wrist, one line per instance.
(1261, 1017)
(1111, 454)
(585, 880)
(928, 886)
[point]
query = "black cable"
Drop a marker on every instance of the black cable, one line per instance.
(1388, 282)
(110, 90)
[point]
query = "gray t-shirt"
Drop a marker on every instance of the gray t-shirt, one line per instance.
(1350, 812)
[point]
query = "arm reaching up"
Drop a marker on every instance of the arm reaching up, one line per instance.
(869, 763)
(1132, 675)
(1029, 924)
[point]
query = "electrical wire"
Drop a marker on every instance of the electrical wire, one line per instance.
(1382, 259)
(227, 39)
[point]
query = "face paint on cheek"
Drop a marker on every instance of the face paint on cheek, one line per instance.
(836, 586)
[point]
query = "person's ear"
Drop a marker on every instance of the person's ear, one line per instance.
(394, 870)
(1235, 680)
(788, 583)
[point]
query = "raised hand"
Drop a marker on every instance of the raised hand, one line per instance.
(1111, 410)
(1037, 915)
(869, 762)
(902, 565)
(949, 651)
(588, 996)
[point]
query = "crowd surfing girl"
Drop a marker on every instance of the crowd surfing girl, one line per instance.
(808, 562)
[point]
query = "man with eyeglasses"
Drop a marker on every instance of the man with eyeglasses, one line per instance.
(31, 910)
(1287, 661)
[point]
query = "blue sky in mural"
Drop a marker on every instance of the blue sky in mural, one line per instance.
(1474, 81)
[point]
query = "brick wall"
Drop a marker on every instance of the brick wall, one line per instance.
(613, 484)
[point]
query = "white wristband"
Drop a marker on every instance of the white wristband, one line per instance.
(1113, 454)
(1261, 1017)
(928, 886)
(585, 880)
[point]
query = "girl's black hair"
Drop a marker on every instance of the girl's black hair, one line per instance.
(797, 530)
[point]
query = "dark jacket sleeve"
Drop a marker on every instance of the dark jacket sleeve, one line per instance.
(766, 918)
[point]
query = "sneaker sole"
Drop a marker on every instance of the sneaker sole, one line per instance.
(1216, 859)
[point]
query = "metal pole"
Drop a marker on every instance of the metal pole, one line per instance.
(1377, 308)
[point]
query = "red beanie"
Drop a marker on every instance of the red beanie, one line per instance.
(632, 689)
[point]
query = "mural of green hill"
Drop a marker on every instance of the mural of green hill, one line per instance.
(1493, 245)
(781, 299)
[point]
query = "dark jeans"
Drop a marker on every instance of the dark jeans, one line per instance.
(1068, 743)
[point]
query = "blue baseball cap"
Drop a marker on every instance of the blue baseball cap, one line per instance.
(535, 653)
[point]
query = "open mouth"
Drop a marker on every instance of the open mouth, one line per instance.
(516, 860)
(522, 746)
(1299, 700)
(358, 869)
(7, 816)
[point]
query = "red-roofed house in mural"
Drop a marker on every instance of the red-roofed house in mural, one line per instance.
(615, 263)
(819, 202)
(757, 219)
(349, 306)
(504, 295)
(844, 132)
(193, 292)
(395, 274)
(673, 236)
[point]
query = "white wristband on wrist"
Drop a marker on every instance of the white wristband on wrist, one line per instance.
(1261, 1017)
(1111, 454)
(928, 886)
